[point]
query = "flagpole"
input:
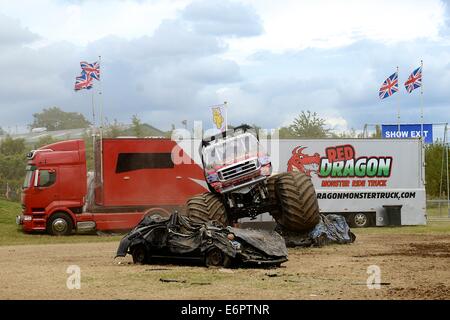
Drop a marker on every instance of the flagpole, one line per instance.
(94, 129)
(421, 100)
(398, 111)
(226, 115)
(101, 120)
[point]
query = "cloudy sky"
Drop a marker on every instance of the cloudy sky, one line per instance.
(167, 61)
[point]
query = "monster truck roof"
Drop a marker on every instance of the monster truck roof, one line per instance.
(226, 134)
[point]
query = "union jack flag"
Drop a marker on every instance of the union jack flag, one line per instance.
(389, 86)
(83, 82)
(92, 69)
(414, 81)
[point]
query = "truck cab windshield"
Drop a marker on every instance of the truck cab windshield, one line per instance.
(231, 150)
(28, 176)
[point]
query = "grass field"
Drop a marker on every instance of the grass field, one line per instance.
(435, 211)
(11, 234)
(413, 259)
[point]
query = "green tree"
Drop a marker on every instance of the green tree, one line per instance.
(113, 130)
(55, 119)
(12, 164)
(45, 140)
(286, 133)
(2, 132)
(10, 146)
(136, 126)
(377, 133)
(434, 154)
(12, 167)
(307, 125)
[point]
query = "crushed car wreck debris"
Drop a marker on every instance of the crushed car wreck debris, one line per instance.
(331, 228)
(156, 238)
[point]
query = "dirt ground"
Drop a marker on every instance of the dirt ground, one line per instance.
(412, 267)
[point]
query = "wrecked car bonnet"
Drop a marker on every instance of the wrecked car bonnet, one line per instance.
(271, 243)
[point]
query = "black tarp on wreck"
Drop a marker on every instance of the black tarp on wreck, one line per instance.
(178, 237)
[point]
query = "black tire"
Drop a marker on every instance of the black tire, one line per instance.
(60, 224)
(207, 207)
(298, 201)
(214, 258)
(275, 211)
(140, 254)
(360, 220)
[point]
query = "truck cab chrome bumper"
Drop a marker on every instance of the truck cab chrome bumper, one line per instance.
(246, 184)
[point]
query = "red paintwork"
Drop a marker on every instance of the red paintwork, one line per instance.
(299, 159)
(136, 192)
(68, 159)
(146, 186)
(219, 186)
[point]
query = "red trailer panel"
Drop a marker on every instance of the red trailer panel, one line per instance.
(140, 172)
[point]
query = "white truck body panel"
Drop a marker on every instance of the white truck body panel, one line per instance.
(400, 181)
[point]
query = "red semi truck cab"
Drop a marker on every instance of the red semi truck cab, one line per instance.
(132, 177)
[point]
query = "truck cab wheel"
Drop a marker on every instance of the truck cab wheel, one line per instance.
(139, 254)
(60, 224)
(360, 220)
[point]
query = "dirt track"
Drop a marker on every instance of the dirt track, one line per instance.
(412, 266)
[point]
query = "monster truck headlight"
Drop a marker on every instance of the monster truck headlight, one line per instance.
(212, 177)
(266, 170)
(264, 160)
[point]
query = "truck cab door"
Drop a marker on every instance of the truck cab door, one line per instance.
(45, 185)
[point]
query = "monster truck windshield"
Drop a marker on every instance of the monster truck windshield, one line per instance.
(231, 150)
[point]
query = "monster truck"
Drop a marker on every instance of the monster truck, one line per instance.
(238, 174)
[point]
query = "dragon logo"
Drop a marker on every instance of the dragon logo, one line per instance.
(303, 162)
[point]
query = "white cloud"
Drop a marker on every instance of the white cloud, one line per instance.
(300, 24)
(223, 18)
(270, 61)
(82, 22)
(13, 33)
(338, 124)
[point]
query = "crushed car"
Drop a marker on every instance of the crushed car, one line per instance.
(331, 229)
(158, 238)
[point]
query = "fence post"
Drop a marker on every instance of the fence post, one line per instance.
(7, 191)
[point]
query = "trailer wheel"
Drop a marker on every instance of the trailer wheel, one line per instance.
(273, 198)
(60, 224)
(139, 254)
(207, 207)
(360, 220)
(298, 201)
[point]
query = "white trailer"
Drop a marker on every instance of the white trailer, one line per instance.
(357, 177)
(352, 177)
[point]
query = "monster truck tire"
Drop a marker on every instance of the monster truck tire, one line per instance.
(298, 201)
(207, 207)
(275, 210)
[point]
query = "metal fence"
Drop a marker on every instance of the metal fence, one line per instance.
(438, 210)
(10, 191)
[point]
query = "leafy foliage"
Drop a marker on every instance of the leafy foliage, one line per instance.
(435, 170)
(12, 164)
(307, 125)
(56, 119)
(45, 140)
(10, 146)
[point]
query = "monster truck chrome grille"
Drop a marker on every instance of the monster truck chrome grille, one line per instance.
(238, 170)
